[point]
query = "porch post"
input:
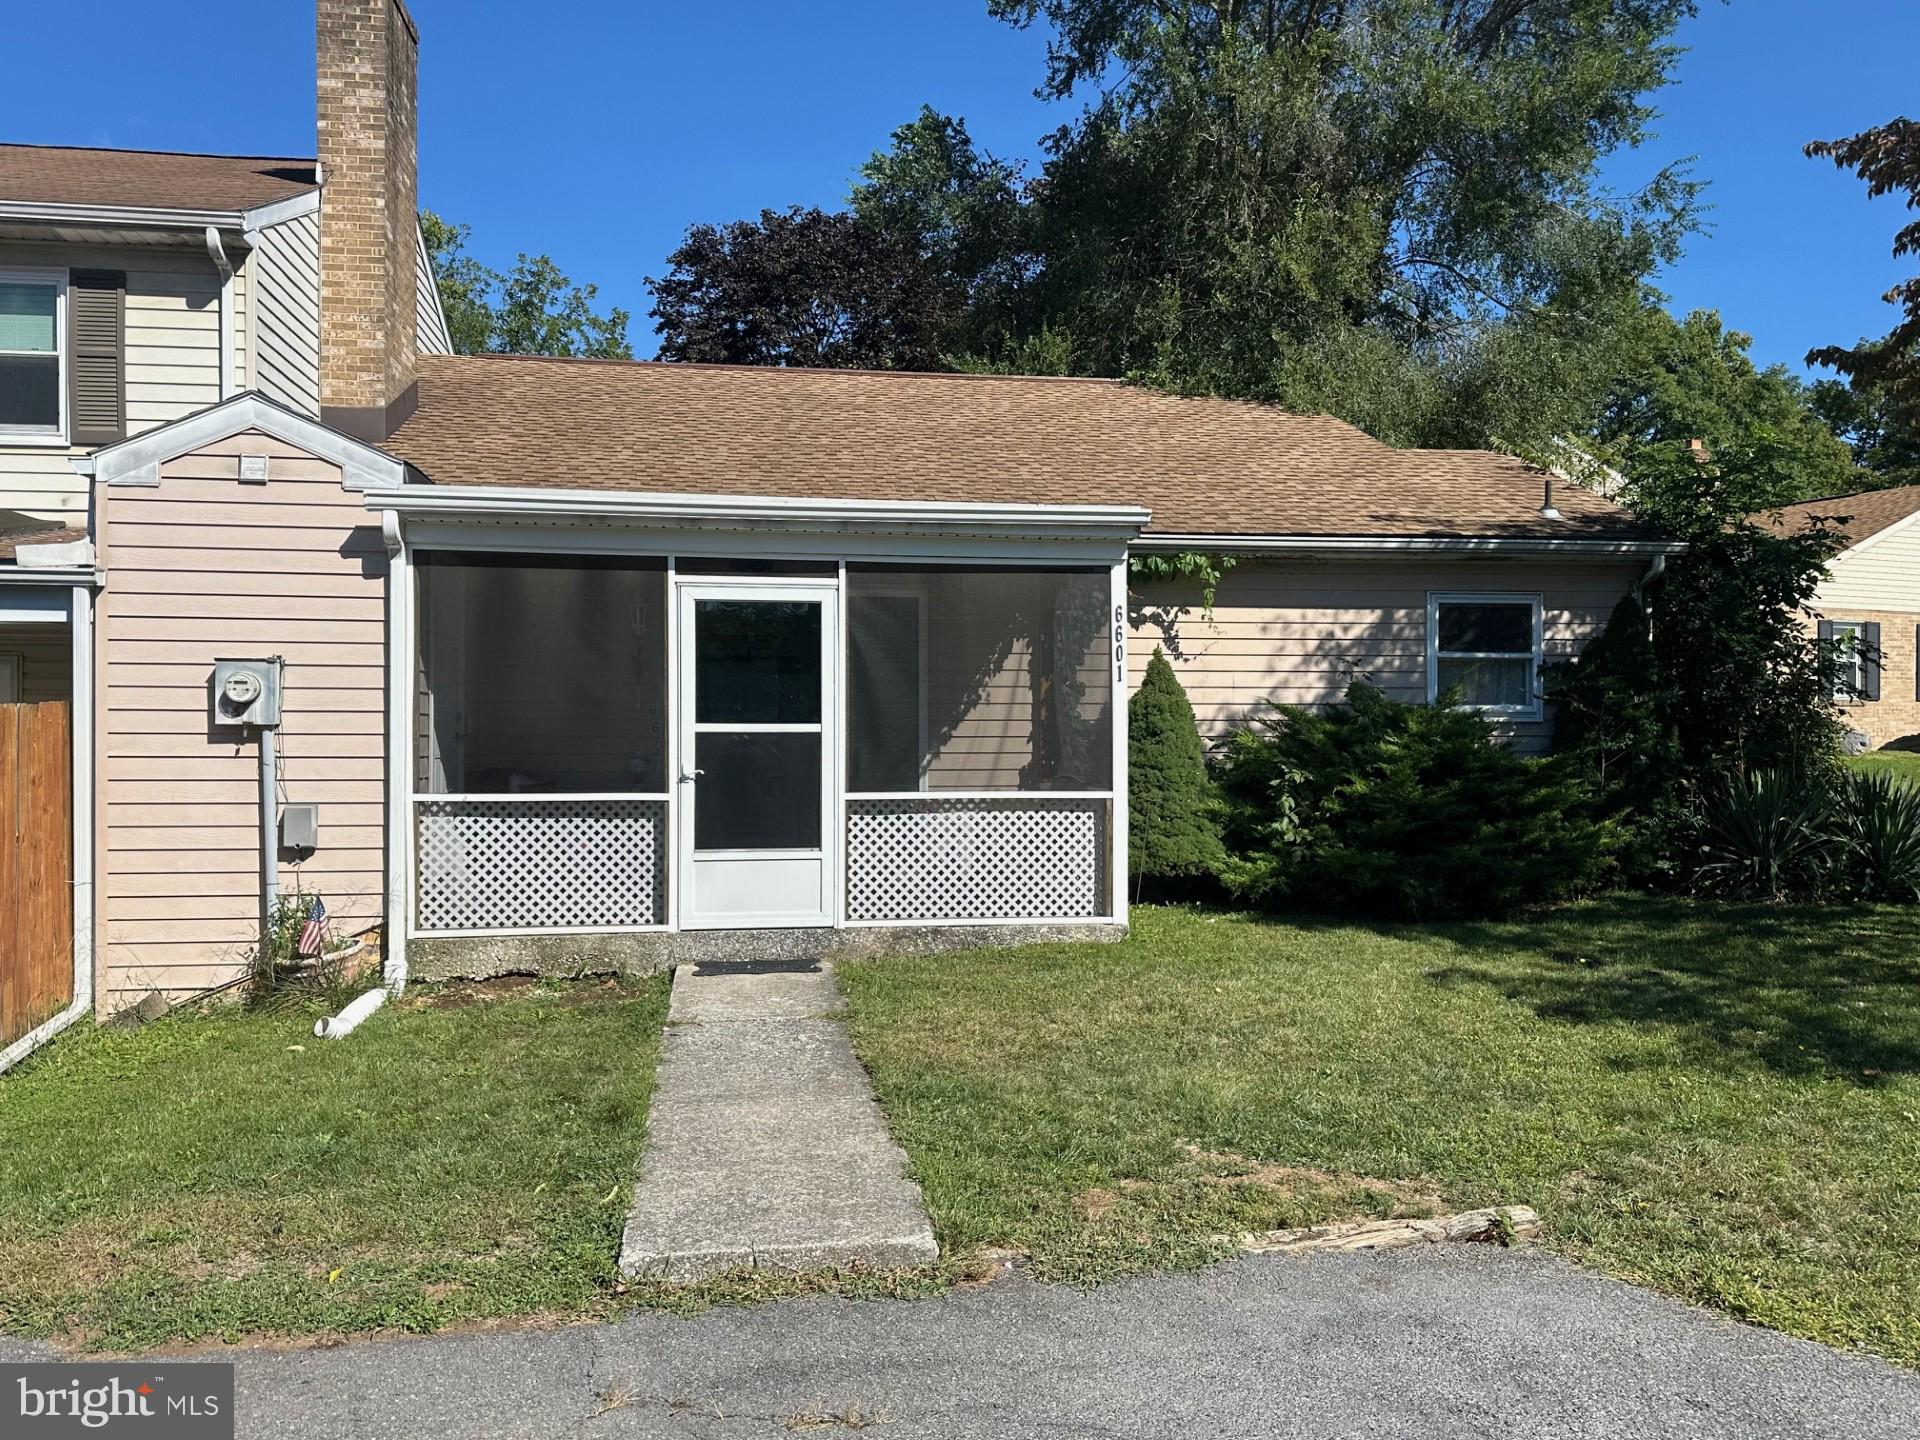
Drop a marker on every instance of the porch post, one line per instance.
(401, 660)
(1117, 621)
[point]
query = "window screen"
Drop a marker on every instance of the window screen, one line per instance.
(975, 678)
(29, 355)
(541, 675)
(1484, 651)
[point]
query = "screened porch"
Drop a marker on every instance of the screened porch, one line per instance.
(641, 742)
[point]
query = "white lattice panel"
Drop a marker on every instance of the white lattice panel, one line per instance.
(540, 864)
(1022, 858)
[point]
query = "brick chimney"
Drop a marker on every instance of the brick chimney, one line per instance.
(368, 64)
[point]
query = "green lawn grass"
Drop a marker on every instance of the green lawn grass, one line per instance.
(227, 1173)
(1721, 1102)
(1904, 764)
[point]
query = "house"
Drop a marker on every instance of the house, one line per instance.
(581, 664)
(1869, 605)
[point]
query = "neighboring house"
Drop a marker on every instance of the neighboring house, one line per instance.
(1869, 605)
(595, 663)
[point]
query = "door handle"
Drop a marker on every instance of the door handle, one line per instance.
(687, 777)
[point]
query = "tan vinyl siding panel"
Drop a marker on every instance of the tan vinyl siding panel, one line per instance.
(430, 325)
(287, 313)
(172, 359)
(204, 567)
(1297, 631)
(1882, 575)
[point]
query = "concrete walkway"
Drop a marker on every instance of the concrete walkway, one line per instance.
(765, 1146)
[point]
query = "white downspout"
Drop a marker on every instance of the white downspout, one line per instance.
(80, 614)
(217, 253)
(400, 664)
(1655, 569)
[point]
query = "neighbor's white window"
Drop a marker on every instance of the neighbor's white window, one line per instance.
(1849, 661)
(1487, 647)
(33, 389)
(9, 679)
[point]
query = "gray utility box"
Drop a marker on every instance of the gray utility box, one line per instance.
(247, 692)
(300, 827)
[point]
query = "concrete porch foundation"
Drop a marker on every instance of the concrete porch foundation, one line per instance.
(482, 957)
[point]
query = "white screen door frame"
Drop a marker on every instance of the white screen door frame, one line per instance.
(741, 883)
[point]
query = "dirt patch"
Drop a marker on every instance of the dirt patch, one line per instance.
(1226, 1167)
(463, 994)
(1213, 1171)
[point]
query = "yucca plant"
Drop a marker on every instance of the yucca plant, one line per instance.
(1770, 835)
(1880, 825)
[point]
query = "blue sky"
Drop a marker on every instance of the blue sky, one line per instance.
(597, 130)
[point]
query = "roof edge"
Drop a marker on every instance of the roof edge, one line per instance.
(1391, 544)
(650, 508)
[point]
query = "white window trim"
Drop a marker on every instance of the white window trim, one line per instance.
(1535, 709)
(1850, 687)
(62, 346)
(12, 679)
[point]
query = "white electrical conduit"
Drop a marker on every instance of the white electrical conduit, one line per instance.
(333, 1027)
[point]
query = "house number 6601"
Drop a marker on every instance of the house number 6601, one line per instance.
(1120, 645)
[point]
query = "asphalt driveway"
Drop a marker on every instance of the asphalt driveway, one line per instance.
(1466, 1341)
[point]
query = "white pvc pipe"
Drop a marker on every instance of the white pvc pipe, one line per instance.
(333, 1027)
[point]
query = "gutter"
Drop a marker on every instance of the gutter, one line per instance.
(132, 217)
(1390, 544)
(160, 217)
(487, 502)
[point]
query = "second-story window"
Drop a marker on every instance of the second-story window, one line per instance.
(32, 325)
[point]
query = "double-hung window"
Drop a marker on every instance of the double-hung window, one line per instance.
(33, 390)
(1853, 649)
(1486, 649)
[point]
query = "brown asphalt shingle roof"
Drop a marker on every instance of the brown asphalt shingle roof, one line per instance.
(1204, 466)
(1856, 516)
(11, 539)
(159, 179)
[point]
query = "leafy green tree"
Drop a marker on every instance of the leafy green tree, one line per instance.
(1385, 208)
(1883, 436)
(1694, 380)
(1728, 679)
(807, 288)
(1887, 157)
(1174, 830)
(534, 309)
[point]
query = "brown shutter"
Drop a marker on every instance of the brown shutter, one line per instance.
(97, 368)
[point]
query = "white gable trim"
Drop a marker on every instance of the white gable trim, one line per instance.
(137, 461)
(265, 217)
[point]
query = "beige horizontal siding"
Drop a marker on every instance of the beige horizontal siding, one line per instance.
(203, 567)
(1884, 575)
(1297, 632)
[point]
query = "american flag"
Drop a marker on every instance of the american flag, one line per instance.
(313, 934)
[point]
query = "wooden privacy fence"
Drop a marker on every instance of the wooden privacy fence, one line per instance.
(36, 865)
